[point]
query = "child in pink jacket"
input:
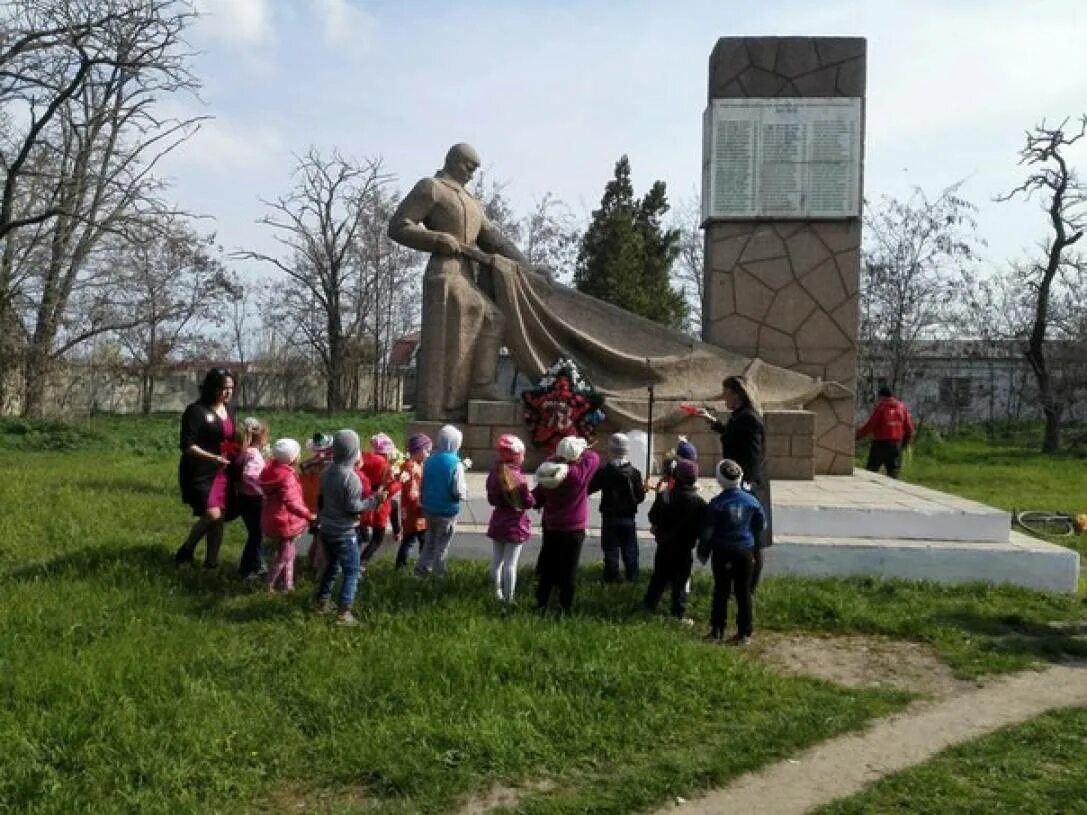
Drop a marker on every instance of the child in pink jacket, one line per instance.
(251, 436)
(562, 486)
(284, 514)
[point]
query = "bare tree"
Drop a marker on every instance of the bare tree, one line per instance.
(1064, 198)
(552, 237)
(51, 51)
(390, 277)
(915, 254)
(316, 224)
(548, 235)
(174, 289)
(84, 78)
(689, 271)
(497, 208)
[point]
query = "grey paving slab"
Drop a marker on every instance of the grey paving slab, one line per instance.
(864, 505)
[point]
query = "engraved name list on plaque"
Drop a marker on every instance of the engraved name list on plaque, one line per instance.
(782, 158)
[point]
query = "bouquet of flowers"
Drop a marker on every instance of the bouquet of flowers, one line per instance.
(564, 403)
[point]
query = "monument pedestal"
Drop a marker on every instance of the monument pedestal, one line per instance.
(839, 526)
(790, 436)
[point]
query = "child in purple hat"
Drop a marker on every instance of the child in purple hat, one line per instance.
(412, 521)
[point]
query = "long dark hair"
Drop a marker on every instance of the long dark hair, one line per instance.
(213, 383)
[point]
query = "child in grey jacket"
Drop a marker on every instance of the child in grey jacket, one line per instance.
(343, 499)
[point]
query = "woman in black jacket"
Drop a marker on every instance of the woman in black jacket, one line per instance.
(743, 439)
(205, 425)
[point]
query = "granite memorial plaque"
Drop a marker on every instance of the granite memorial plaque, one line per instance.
(782, 158)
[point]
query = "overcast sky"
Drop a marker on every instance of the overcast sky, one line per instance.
(551, 94)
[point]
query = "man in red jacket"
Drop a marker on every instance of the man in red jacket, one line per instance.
(891, 428)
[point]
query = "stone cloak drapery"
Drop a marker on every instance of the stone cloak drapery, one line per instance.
(623, 354)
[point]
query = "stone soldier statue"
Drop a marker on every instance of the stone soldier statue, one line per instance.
(462, 325)
(479, 294)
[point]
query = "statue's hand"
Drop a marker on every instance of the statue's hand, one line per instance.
(446, 245)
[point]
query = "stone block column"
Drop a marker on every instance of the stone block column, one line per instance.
(786, 291)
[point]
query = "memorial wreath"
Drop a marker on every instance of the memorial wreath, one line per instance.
(563, 403)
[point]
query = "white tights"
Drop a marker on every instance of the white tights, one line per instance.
(504, 568)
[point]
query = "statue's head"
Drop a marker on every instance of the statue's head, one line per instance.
(461, 162)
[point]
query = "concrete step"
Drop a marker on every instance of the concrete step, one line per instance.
(869, 505)
(862, 505)
(1020, 561)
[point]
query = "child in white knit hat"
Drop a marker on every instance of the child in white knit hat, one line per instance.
(734, 520)
(284, 514)
(621, 492)
(562, 485)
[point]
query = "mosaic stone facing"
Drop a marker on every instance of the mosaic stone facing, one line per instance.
(786, 291)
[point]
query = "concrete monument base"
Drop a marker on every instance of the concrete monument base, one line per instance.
(790, 436)
(863, 524)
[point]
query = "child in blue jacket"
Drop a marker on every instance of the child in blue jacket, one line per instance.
(734, 520)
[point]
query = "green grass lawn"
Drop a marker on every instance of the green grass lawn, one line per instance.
(1037, 767)
(129, 686)
(1005, 471)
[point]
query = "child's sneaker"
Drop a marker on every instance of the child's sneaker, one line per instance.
(739, 640)
(323, 606)
(686, 622)
(346, 618)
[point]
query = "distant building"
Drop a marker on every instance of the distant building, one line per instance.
(963, 381)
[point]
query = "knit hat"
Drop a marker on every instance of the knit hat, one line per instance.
(345, 447)
(510, 448)
(418, 442)
(619, 445)
(684, 449)
(286, 451)
(381, 444)
(319, 443)
(729, 474)
(571, 448)
(685, 472)
(551, 473)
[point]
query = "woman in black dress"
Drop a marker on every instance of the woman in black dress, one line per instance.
(743, 439)
(205, 425)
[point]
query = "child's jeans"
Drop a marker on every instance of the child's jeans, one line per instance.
(439, 534)
(342, 553)
(253, 554)
(557, 567)
(671, 568)
(376, 537)
(732, 570)
(619, 540)
(284, 566)
(404, 552)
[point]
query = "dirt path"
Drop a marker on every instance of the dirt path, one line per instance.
(843, 766)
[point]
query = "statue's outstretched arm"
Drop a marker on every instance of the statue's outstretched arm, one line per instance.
(406, 225)
(492, 240)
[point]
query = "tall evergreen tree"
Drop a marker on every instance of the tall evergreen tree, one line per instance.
(626, 255)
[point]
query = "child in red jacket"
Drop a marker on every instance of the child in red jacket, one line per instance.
(377, 467)
(412, 522)
(284, 515)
